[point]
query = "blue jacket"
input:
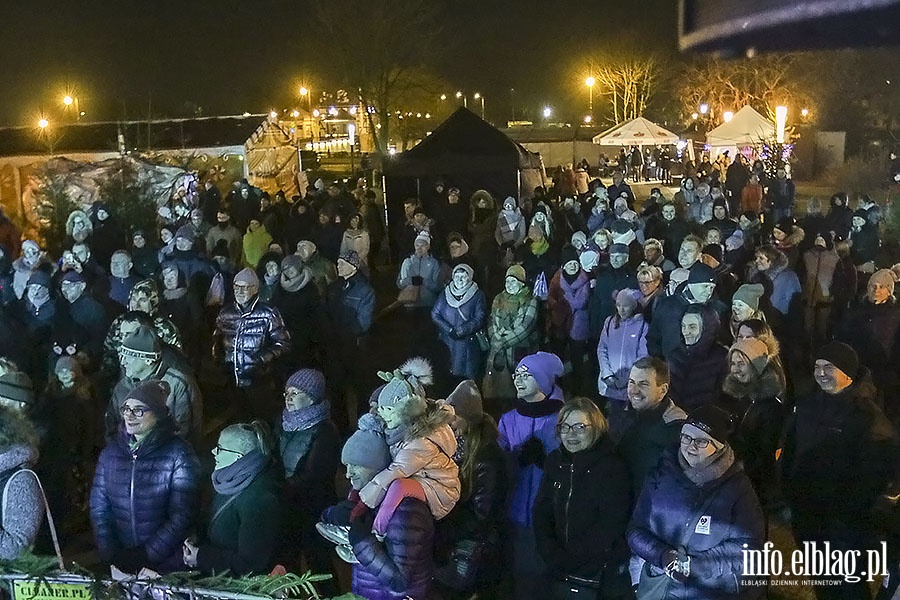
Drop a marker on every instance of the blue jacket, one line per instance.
(426, 267)
(603, 303)
(457, 328)
(146, 498)
(350, 304)
(669, 500)
(402, 565)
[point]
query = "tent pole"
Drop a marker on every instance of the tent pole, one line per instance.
(518, 184)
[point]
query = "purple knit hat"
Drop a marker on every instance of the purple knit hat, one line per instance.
(310, 381)
(545, 367)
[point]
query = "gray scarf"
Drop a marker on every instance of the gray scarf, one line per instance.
(457, 297)
(712, 468)
(237, 476)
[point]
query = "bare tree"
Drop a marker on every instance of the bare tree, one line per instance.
(628, 82)
(379, 47)
(762, 82)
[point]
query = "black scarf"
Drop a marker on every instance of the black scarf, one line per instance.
(536, 410)
(237, 476)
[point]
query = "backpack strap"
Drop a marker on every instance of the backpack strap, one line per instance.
(50, 522)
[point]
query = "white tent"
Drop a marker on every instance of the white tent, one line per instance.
(639, 131)
(746, 128)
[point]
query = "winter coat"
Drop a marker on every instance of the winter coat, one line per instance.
(185, 401)
(734, 519)
(145, 498)
(310, 459)
(350, 306)
(427, 460)
(120, 288)
(243, 531)
(358, 240)
(839, 219)
(22, 513)
(323, 272)
(146, 262)
(696, 372)
(664, 335)
(302, 312)
(10, 237)
(582, 510)
(88, 314)
(873, 330)
(537, 264)
(620, 346)
(780, 282)
(758, 415)
(864, 244)
(780, 194)
(670, 233)
(402, 565)
(567, 304)
(108, 236)
(515, 429)
(819, 265)
(457, 328)
(252, 338)
(752, 198)
(196, 268)
(643, 436)
(608, 283)
(255, 244)
(232, 237)
(839, 453)
(426, 267)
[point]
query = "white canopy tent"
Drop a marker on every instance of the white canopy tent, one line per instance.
(746, 128)
(637, 132)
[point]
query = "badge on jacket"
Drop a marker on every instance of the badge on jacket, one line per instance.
(703, 525)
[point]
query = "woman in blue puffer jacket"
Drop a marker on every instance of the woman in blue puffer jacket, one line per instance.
(145, 492)
(696, 516)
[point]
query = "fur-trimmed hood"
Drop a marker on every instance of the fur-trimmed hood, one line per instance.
(769, 384)
(793, 239)
(436, 416)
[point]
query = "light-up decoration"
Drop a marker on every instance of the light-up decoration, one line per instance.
(780, 122)
(727, 116)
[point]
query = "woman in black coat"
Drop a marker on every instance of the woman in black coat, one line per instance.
(698, 366)
(470, 543)
(583, 507)
(244, 521)
(309, 449)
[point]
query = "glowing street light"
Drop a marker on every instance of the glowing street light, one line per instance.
(590, 81)
(68, 100)
(71, 101)
(443, 96)
(804, 112)
(43, 123)
(704, 108)
(695, 116)
(588, 119)
(727, 116)
(780, 122)
(478, 96)
(304, 91)
(465, 99)
(273, 114)
(547, 112)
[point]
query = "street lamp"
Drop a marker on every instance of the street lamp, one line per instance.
(704, 108)
(590, 81)
(547, 112)
(804, 112)
(727, 116)
(304, 93)
(478, 96)
(443, 96)
(780, 122)
(464, 98)
(43, 123)
(588, 119)
(70, 100)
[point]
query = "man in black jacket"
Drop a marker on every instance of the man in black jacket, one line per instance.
(838, 458)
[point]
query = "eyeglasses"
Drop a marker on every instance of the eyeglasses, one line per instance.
(239, 287)
(219, 449)
(699, 443)
(520, 373)
(137, 411)
(577, 428)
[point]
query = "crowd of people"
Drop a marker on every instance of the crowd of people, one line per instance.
(610, 397)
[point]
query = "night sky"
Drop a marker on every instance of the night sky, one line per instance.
(128, 57)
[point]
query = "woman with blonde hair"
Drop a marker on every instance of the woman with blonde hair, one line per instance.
(583, 506)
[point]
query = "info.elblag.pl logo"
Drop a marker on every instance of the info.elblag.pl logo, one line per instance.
(816, 560)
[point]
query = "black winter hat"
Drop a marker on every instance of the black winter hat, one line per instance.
(841, 356)
(786, 225)
(712, 420)
(153, 393)
(701, 273)
(568, 254)
(714, 250)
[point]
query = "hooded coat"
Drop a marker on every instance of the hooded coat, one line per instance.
(697, 371)
(145, 498)
(735, 521)
(781, 283)
(758, 413)
(510, 230)
(255, 245)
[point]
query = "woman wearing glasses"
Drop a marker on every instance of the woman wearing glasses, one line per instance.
(145, 490)
(695, 517)
(583, 506)
(243, 522)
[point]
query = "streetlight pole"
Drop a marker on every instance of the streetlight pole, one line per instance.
(478, 96)
(590, 81)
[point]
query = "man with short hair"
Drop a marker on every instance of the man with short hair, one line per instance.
(224, 230)
(121, 281)
(141, 359)
(839, 456)
(84, 311)
(250, 336)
